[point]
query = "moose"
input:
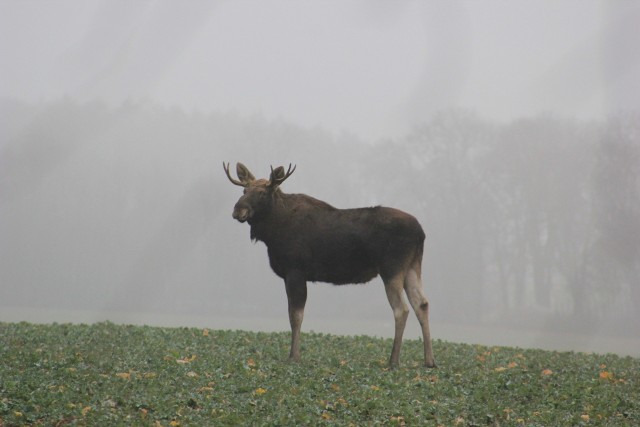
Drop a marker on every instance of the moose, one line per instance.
(310, 240)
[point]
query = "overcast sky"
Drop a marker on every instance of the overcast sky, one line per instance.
(373, 68)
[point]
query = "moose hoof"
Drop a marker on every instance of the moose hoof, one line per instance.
(430, 364)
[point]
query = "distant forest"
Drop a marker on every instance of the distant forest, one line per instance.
(107, 207)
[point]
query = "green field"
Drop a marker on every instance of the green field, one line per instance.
(106, 374)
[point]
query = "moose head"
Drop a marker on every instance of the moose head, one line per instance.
(258, 193)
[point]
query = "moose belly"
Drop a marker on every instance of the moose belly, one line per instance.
(344, 277)
(338, 266)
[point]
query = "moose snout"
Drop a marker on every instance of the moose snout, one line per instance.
(241, 214)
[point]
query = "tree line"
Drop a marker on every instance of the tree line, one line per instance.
(535, 216)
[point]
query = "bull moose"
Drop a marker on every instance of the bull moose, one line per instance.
(310, 240)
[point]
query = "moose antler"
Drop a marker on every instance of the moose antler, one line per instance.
(278, 176)
(233, 181)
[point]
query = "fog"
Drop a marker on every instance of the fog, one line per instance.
(511, 130)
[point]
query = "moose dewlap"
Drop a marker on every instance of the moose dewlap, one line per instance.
(310, 240)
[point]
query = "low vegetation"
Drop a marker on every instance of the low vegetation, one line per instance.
(106, 374)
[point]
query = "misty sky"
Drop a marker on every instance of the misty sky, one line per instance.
(373, 68)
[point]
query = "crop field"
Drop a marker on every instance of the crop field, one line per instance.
(106, 374)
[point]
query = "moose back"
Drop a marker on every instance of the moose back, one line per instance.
(310, 240)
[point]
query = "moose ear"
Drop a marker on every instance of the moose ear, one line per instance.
(277, 175)
(244, 174)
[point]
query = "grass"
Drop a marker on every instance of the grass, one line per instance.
(106, 374)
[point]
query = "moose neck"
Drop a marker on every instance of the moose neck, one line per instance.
(269, 226)
(285, 216)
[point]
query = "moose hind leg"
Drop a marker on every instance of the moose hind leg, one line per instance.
(297, 297)
(393, 287)
(420, 305)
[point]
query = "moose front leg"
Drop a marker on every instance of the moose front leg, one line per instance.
(296, 287)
